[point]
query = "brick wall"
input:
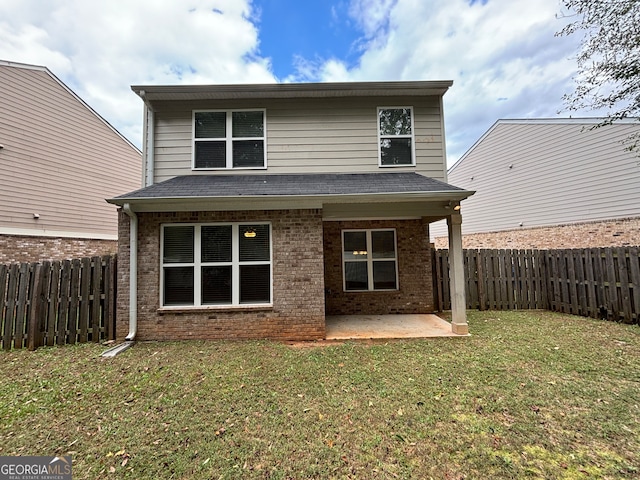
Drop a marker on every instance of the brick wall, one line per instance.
(298, 282)
(612, 233)
(19, 248)
(415, 278)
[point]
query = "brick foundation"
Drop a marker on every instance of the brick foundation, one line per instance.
(415, 294)
(298, 310)
(19, 248)
(612, 233)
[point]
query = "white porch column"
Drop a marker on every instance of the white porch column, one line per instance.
(456, 276)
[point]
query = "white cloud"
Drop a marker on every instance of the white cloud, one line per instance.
(502, 56)
(100, 48)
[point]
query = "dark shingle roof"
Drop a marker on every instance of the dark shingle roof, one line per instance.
(203, 186)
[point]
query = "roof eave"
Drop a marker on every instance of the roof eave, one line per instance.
(271, 202)
(291, 90)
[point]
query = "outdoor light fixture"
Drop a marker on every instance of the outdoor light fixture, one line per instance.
(457, 208)
(250, 233)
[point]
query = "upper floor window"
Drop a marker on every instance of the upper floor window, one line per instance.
(229, 139)
(395, 132)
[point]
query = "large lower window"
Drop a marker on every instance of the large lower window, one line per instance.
(369, 260)
(395, 132)
(229, 139)
(216, 264)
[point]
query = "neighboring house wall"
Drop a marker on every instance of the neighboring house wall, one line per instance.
(415, 292)
(529, 174)
(612, 233)
(334, 135)
(59, 161)
(298, 282)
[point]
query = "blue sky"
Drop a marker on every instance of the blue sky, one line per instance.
(502, 55)
(291, 31)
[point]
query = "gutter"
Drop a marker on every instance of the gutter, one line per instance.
(149, 135)
(133, 272)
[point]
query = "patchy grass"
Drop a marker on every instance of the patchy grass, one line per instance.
(529, 395)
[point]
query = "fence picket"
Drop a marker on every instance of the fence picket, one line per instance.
(63, 315)
(21, 304)
(624, 297)
(634, 270)
(612, 283)
(54, 296)
(94, 295)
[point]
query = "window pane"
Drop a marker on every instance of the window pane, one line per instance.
(211, 124)
(356, 276)
(211, 154)
(178, 285)
(248, 153)
(254, 243)
(216, 243)
(255, 283)
(178, 244)
(396, 151)
(355, 245)
(395, 121)
(384, 275)
(248, 124)
(216, 285)
(383, 244)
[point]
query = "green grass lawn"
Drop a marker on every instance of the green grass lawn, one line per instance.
(528, 395)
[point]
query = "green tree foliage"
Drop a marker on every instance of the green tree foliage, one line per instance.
(609, 59)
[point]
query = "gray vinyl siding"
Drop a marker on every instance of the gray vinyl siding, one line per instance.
(307, 136)
(561, 172)
(60, 160)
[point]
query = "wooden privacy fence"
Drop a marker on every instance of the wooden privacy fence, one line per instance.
(594, 282)
(54, 303)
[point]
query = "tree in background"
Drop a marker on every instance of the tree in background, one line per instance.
(609, 59)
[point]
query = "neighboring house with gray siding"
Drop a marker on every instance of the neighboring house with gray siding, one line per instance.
(59, 160)
(268, 207)
(549, 183)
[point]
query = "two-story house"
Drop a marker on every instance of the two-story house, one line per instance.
(268, 208)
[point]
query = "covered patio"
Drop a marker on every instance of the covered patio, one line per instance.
(348, 327)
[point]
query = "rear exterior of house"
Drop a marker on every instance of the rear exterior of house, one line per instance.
(267, 208)
(59, 160)
(568, 185)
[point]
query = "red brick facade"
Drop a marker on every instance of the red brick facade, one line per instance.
(302, 282)
(415, 293)
(22, 248)
(298, 282)
(611, 233)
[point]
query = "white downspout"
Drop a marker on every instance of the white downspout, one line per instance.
(149, 136)
(133, 272)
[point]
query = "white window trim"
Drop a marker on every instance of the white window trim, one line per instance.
(198, 264)
(370, 260)
(412, 137)
(228, 139)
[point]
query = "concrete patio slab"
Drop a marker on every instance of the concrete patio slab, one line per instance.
(344, 327)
